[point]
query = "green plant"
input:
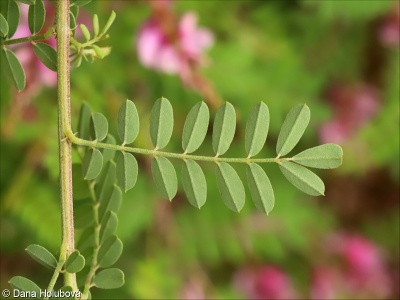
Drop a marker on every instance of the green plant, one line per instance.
(109, 168)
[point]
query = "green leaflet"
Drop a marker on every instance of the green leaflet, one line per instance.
(72, 23)
(257, 129)
(42, 256)
(13, 68)
(92, 164)
(109, 252)
(302, 178)
(127, 170)
(327, 156)
(292, 129)
(109, 279)
(230, 187)
(224, 128)
(98, 126)
(108, 154)
(106, 180)
(36, 16)
(85, 32)
(164, 175)
(86, 239)
(194, 183)
(3, 26)
(161, 123)
(10, 11)
(128, 122)
(24, 284)
(95, 25)
(260, 188)
(47, 55)
(84, 121)
(83, 214)
(108, 226)
(112, 202)
(195, 128)
(75, 262)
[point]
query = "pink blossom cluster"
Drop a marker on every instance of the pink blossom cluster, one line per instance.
(353, 268)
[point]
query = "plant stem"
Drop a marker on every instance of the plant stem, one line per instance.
(81, 142)
(31, 38)
(55, 277)
(64, 125)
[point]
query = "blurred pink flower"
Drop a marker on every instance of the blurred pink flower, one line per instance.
(362, 272)
(159, 51)
(352, 107)
(389, 31)
(266, 282)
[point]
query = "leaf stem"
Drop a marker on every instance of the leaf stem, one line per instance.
(32, 38)
(96, 247)
(64, 125)
(55, 275)
(75, 140)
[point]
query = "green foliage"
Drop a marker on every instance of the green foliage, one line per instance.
(230, 187)
(128, 122)
(42, 256)
(257, 129)
(195, 128)
(161, 123)
(36, 16)
(24, 284)
(302, 178)
(260, 188)
(13, 68)
(75, 262)
(98, 126)
(194, 183)
(292, 129)
(164, 176)
(109, 252)
(80, 2)
(327, 156)
(109, 279)
(3, 26)
(127, 170)
(224, 128)
(10, 10)
(92, 164)
(47, 55)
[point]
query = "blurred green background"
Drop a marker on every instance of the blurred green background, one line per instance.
(339, 57)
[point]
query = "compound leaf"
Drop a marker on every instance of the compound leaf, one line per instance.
(260, 188)
(24, 284)
(92, 164)
(75, 262)
(109, 252)
(164, 176)
(42, 256)
(230, 187)
(195, 128)
(109, 279)
(224, 128)
(128, 122)
(302, 178)
(47, 55)
(194, 183)
(257, 129)
(36, 16)
(3, 26)
(112, 202)
(127, 170)
(292, 129)
(161, 123)
(13, 68)
(98, 126)
(327, 156)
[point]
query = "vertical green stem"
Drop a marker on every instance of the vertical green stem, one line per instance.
(64, 124)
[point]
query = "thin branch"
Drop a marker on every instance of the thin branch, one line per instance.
(32, 38)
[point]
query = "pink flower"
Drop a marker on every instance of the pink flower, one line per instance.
(352, 107)
(389, 31)
(171, 52)
(266, 282)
